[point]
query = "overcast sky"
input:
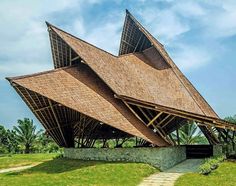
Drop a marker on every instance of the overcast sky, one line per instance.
(200, 36)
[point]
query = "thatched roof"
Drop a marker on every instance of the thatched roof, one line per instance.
(145, 76)
(78, 88)
(140, 92)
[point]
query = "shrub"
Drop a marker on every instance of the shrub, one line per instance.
(214, 163)
(205, 168)
(211, 164)
(221, 158)
(60, 155)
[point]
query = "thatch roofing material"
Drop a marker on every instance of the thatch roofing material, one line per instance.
(143, 75)
(81, 90)
(196, 96)
(130, 75)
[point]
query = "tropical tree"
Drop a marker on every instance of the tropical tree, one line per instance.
(231, 134)
(46, 144)
(12, 143)
(3, 139)
(231, 119)
(26, 134)
(190, 134)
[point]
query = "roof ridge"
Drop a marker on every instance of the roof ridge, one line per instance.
(168, 60)
(38, 73)
(52, 26)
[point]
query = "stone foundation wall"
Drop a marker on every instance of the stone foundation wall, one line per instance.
(160, 157)
(217, 150)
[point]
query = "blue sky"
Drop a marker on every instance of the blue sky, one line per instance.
(200, 36)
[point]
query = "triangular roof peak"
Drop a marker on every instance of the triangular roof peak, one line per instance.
(135, 38)
(141, 39)
(110, 70)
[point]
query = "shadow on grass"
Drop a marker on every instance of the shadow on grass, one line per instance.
(60, 165)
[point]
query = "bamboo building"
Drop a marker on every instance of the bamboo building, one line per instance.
(92, 94)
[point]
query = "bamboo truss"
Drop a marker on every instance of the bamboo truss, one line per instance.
(94, 95)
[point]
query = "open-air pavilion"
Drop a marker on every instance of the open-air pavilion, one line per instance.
(95, 95)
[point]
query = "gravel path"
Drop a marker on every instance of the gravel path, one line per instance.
(168, 177)
(16, 169)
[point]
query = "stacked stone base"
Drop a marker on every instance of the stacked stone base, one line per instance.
(160, 157)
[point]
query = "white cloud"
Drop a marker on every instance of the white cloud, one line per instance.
(79, 27)
(210, 21)
(221, 21)
(189, 57)
(188, 9)
(164, 23)
(25, 46)
(106, 36)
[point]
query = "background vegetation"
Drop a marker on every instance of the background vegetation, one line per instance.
(25, 138)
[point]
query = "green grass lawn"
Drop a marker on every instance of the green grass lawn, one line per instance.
(225, 175)
(23, 159)
(75, 172)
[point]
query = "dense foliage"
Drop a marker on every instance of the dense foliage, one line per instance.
(25, 138)
(231, 119)
(190, 134)
(211, 164)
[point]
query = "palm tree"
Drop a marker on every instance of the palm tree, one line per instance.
(231, 119)
(25, 133)
(190, 134)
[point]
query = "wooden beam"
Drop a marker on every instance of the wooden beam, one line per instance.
(52, 47)
(127, 43)
(165, 124)
(77, 57)
(36, 114)
(56, 119)
(161, 134)
(186, 117)
(183, 114)
(70, 55)
(133, 112)
(138, 42)
(145, 115)
(162, 121)
(157, 116)
(47, 107)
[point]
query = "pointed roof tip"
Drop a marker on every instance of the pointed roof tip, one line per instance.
(48, 24)
(8, 79)
(128, 12)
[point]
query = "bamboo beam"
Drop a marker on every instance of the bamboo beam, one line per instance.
(138, 43)
(165, 124)
(187, 117)
(32, 109)
(150, 121)
(52, 47)
(145, 115)
(47, 107)
(56, 119)
(128, 43)
(133, 112)
(157, 116)
(160, 133)
(70, 56)
(77, 57)
(180, 113)
(162, 121)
